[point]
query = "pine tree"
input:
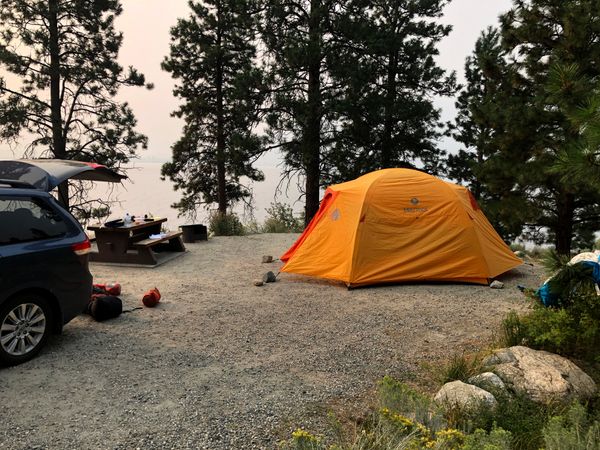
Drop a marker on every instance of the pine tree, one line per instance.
(353, 81)
(300, 42)
(490, 118)
(579, 161)
(527, 125)
(475, 106)
(63, 55)
(213, 58)
(386, 66)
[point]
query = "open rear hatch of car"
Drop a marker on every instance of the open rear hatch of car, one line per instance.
(46, 174)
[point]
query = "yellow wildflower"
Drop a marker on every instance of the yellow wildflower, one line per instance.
(451, 437)
(422, 429)
(304, 436)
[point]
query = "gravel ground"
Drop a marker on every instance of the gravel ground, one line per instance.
(221, 364)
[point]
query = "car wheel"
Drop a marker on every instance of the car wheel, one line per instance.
(25, 323)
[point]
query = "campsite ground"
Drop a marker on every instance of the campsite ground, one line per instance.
(222, 364)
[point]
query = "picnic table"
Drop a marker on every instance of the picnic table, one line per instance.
(132, 244)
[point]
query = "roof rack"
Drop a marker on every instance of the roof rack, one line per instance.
(16, 184)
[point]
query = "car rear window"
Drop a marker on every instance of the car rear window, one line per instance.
(29, 219)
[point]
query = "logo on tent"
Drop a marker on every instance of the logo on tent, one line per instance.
(335, 215)
(414, 201)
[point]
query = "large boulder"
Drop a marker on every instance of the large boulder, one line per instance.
(464, 396)
(540, 375)
(488, 381)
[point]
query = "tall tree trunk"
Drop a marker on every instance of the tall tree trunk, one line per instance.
(58, 141)
(564, 226)
(312, 132)
(222, 189)
(390, 99)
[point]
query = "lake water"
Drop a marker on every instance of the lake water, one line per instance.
(144, 192)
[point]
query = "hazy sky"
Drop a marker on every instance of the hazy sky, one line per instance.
(146, 24)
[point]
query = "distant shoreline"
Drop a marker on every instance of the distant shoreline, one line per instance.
(145, 193)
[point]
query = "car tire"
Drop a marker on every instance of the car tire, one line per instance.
(25, 323)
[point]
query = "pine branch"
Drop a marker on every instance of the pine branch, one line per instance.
(33, 99)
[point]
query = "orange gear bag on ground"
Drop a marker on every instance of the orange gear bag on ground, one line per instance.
(151, 298)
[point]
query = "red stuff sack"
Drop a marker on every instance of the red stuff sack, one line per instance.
(151, 298)
(108, 289)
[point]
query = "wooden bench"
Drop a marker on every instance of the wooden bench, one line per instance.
(171, 241)
(172, 235)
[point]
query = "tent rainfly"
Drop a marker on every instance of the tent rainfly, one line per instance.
(399, 225)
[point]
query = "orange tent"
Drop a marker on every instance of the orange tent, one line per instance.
(397, 225)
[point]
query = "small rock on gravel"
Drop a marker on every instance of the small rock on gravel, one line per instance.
(267, 259)
(269, 277)
(258, 283)
(497, 284)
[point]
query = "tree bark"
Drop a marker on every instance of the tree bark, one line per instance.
(312, 130)
(59, 149)
(221, 184)
(564, 225)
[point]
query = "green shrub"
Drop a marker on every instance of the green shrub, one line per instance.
(512, 331)
(538, 252)
(554, 330)
(535, 252)
(281, 219)
(379, 432)
(515, 417)
(496, 439)
(570, 331)
(400, 398)
(572, 431)
(517, 423)
(523, 418)
(386, 430)
(544, 328)
(572, 328)
(460, 368)
(225, 224)
(252, 227)
(516, 247)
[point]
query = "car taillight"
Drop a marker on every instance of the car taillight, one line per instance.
(82, 248)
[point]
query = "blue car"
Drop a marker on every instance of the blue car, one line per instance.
(44, 276)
